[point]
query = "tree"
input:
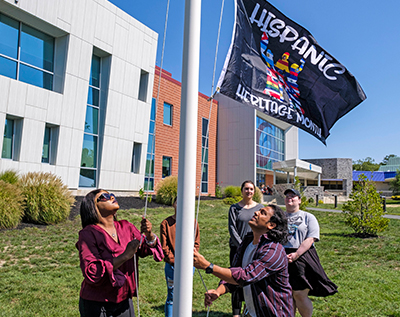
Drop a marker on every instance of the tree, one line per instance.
(386, 159)
(395, 184)
(364, 212)
(297, 186)
(367, 164)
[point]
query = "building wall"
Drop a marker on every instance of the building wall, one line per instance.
(236, 157)
(336, 168)
(127, 48)
(167, 137)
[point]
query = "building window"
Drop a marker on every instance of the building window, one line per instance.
(137, 152)
(26, 54)
(143, 84)
(270, 144)
(50, 140)
(204, 155)
(149, 172)
(8, 140)
(88, 172)
(166, 166)
(167, 114)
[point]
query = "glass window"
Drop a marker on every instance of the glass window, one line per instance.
(87, 178)
(270, 144)
(88, 173)
(143, 83)
(167, 114)
(89, 151)
(91, 120)
(8, 140)
(149, 172)
(37, 48)
(150, 165)
(35, 77)
(9, 29)
(8, 68)
(166, 166)
(137, 152)
(26, 54)
(95, 72)
(46, 145)
(93, 96)
(148, 184)
(204, 155)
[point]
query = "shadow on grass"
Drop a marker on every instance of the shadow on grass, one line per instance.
(160, 308)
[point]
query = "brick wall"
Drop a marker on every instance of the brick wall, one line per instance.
(167, 137)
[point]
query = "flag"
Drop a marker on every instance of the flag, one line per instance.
(277, 67)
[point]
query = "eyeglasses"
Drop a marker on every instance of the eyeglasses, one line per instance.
(105, 197)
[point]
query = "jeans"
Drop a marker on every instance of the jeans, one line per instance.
(169, 277)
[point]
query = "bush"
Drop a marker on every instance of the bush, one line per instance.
(143, 194)
(48, 200)
(218, 191)
(232, 200)
(304, 201)
(232, 191)
(364, 211)
(310, 200)
(396, 197)
(11, 205)
(258, 195)
(167, 190)
(9, 176)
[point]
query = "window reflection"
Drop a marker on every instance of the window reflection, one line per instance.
(8, 138)
(33, 50)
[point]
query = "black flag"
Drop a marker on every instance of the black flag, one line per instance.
(277, 67)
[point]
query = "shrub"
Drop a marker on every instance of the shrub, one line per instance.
(48, 200)
(396, 197)
(9, 176)
(258, 195)
(218, 191)
(310, 200)
(297, 186)
(364, 211)
(232, 191)
(167, 190)
(143, 194)
(320, 202)
(11, 205)
(232, 200)
(395, 184)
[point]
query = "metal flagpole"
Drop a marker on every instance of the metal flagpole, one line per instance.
(183, 275)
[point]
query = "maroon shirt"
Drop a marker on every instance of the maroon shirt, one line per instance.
(96, 252)
(267, 276)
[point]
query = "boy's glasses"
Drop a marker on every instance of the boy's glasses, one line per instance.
(105, 197)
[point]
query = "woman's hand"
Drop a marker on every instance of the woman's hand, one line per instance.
(292, 257)
(131, 248)
(145, 227)
(210, 296)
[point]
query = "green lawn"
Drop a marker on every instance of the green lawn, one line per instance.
(40, 274)
(392, 206)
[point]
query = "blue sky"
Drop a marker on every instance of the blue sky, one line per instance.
(363, 35)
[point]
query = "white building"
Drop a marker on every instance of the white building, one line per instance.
(76, 79)
(249, 142)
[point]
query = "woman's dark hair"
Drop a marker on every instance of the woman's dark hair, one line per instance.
(280, 232)
(89, 215)
(247, 182)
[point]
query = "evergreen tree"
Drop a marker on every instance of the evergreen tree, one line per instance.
(364, 211)
(395, 184)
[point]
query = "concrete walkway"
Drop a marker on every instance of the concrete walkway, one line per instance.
(337, 210)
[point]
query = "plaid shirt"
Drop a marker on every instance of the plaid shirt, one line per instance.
(267, 275)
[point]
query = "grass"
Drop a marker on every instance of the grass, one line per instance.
(40, 274)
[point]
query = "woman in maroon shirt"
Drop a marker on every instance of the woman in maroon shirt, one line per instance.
(106, 252)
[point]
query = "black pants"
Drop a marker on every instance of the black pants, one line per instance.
(237, 296)
(88, 308)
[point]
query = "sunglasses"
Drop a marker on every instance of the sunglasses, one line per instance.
(106, 197)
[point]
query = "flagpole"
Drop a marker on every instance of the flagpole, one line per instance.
(184, 244)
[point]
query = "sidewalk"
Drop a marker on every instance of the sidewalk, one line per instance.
(338, 210)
